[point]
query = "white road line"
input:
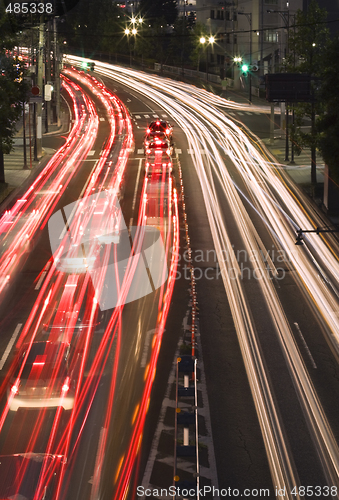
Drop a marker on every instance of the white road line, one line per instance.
(140, 152)
(146, 347)
(10, 345)
(91, 153)
(156, 436)
(240, 113)
(231, 113)
(248, 112)
(305, 345)
(98, 465)
(102, 119)
(155, 116)
(138, 117)
(136, 184)
(178, 151)
(146, 116)
(164, 116)
(41, 279)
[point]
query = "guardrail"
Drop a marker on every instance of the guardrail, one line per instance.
(175, 70)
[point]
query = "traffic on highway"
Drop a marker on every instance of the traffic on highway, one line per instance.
(94, 254)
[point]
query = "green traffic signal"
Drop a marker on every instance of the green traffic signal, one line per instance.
(245, 68)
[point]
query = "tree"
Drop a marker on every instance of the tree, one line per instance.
(308, 41)
(13, 89)
(328, 124)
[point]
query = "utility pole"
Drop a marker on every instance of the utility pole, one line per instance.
(56, 74)
(48, 73)
(249, 19)
(40, 85)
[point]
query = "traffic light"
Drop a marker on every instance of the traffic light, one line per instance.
(245, 69)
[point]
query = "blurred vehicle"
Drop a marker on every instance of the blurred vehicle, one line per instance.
(160, 127)
(157, 143)
(158, 163)
(20, 476)
(45, 377)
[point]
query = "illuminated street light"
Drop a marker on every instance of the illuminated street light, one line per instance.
(202, 39)
(133, 20)
(211, 39)
(134, 31)
(126, 31)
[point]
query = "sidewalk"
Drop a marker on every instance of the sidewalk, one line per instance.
(15, 173)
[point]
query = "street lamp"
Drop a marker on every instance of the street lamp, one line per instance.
(210, 41)
(202, 40)
(249, 19)
(285, 16)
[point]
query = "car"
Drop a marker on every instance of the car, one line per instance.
(158, 127)
(158, 143)
(44, 376)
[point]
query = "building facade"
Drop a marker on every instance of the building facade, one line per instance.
(254, 30)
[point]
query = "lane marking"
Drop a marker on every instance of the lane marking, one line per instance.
(41, 279)
(43, 274)
(248, 112)
(146, 116)
(146, 346)
(102, 119)
(178, 151)
(136, 184)
(10, 345)
(164, 116)
(305, 345)
(240, 113)
(140, 152)
(91, 153)
(138, 117)
(155, 116)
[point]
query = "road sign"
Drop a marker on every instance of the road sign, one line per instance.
(36, 98)
(35, 90)
(288, 87)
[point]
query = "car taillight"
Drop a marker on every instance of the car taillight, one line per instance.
(148, 151)
(65, 387)
(168, 152)
(14, 389)
(148, 131)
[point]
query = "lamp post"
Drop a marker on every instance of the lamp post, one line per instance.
(249, 18)
(285, 16)
(202, 40)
